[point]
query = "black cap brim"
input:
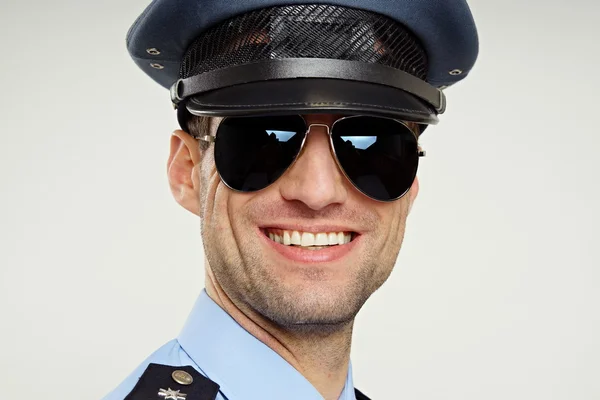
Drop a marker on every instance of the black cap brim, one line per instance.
(310, 96)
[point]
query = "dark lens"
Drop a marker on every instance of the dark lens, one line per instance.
(253, 152)
(379, 155)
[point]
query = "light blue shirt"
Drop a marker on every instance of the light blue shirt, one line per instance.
(244, 367)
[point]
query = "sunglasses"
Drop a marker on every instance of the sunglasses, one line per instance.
(379, 156)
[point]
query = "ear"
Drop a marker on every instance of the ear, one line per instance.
(412, 193)
(182, 170)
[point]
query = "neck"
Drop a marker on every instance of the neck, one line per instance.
(322, 357)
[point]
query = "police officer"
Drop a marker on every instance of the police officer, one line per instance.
(299, 152)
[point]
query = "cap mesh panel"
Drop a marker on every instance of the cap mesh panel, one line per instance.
(306, 31)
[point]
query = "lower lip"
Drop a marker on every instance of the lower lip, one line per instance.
(302, 255)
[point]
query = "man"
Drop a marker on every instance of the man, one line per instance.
(299, 153)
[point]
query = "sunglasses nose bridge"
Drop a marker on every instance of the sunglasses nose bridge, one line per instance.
(323, 125)
(332, 150)
(328, 129)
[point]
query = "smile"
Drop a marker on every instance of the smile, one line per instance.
(309, 240)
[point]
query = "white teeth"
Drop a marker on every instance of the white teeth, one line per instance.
(321, 239)
(307, 239)
(332, 238)
(295, 239)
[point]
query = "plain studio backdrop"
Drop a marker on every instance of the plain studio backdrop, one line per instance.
(495, 294)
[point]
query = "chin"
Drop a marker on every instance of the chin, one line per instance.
(312, 303)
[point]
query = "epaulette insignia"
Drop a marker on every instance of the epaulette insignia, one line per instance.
(165, 382)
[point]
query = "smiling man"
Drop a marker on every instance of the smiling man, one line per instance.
(299, 154)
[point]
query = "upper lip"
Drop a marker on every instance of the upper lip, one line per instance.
(312, 228)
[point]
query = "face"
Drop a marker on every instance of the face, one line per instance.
(293, 286)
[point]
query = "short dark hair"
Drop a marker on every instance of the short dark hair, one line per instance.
(199, 126)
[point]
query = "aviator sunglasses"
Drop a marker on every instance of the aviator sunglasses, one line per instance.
(378, 155)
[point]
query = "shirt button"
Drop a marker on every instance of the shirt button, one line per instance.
(182, 377)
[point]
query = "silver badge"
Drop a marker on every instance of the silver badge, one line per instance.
(171, 394)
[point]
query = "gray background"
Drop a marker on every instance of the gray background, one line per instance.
(495, 294)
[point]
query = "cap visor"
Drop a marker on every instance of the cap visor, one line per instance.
(310, 96)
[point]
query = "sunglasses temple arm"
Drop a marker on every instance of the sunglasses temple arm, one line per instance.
(207, 138)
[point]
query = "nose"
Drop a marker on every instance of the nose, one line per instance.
(315, 178)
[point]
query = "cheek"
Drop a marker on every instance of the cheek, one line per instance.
(393, 226)
(236, 205)
(221, 207)
(399, 226)
(218, 235)
(212, 192)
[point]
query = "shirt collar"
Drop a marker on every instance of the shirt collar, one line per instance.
(241, 364)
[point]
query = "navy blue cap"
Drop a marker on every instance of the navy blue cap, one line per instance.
(160, 40)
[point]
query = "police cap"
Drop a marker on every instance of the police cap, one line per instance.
(378, 57)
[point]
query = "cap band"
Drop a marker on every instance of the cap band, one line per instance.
(293, 68)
